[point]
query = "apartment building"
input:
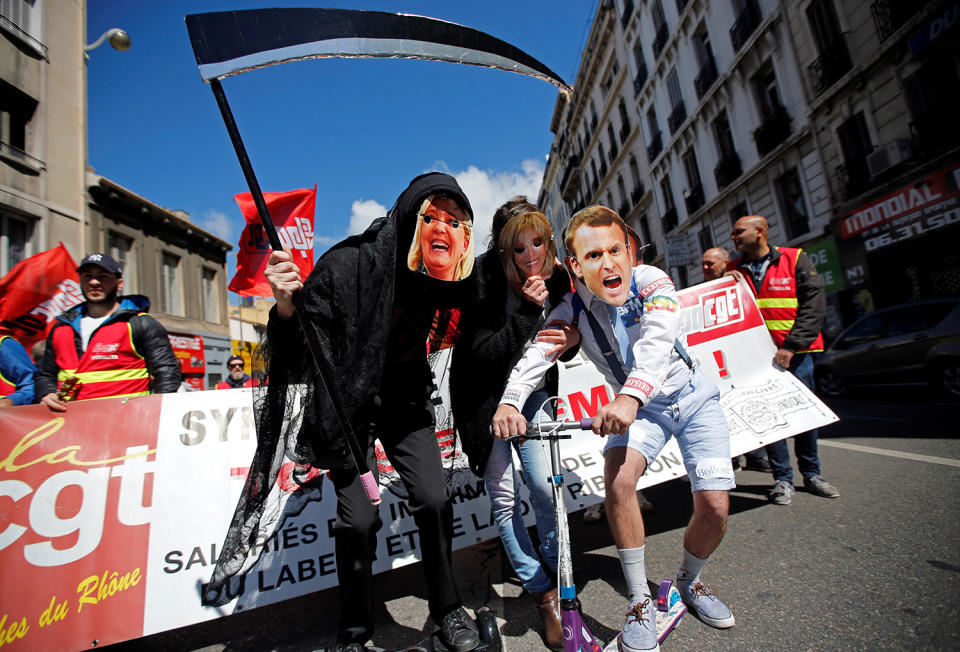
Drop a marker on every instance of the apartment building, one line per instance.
(48, 193)
(882, 77)
(711, 109)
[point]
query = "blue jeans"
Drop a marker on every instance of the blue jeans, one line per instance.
(804, 444)
(500, 479)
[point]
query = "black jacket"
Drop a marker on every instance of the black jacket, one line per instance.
(811, 298)
(149, 338)
(488, 348)
(359, 292)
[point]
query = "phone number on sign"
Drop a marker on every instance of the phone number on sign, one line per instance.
(920, 227)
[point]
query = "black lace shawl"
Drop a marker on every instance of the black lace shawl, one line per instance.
(348, 304)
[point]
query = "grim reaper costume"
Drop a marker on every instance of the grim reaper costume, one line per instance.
(371, 316)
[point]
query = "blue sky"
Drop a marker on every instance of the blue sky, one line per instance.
(358, 129)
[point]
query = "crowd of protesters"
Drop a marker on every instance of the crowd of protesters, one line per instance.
(373, 308)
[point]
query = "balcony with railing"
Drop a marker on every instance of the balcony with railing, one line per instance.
(727, 170)
(637, 193)
(660, 40)
(655, 147)
(830, 66)
(704, 80)
(669, 220)
(640, 79)
(891, 15)
(693, 198)
(774, 129)
(745, 24)
(573, 165)
(627, 13)
(676, 117)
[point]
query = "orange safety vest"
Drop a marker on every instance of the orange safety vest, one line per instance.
(111, 365)
(6, 387)
(777, 297)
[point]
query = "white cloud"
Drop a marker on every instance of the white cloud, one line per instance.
(218, 224)
(323, 241)
(363, 212)
(487, 189)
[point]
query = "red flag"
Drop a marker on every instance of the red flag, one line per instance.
(292, 213)
(37, 290)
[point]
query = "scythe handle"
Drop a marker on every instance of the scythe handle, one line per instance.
(356, 451)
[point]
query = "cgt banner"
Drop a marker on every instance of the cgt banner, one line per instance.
(107, 533)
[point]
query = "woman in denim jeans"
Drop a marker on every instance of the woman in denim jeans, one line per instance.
(518, 279)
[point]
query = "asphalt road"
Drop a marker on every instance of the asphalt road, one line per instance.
(877, 568)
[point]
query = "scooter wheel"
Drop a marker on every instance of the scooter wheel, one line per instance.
(490, 639)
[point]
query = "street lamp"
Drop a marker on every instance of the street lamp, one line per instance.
(119, 40)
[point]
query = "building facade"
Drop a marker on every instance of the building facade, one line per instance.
(48, 193)
(819, 115)
(882, 77)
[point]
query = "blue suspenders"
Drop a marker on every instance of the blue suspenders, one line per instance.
(616, 367)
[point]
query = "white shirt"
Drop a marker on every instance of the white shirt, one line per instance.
(657, 367)
(87, 326)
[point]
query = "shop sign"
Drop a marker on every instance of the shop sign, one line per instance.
(936, 217)
(940, 25)
(921, 194)
(189, 352)
(825, 258)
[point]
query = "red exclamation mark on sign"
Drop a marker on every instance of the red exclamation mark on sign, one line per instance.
(718, 356)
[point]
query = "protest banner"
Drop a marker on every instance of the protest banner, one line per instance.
(121, 505)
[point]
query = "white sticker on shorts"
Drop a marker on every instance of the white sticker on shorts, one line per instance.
(714, 467)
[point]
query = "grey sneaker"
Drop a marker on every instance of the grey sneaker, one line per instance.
(705, 605)
(640, 629)
(782, 493)
(820, 487)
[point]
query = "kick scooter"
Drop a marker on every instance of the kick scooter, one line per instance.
(577, 637)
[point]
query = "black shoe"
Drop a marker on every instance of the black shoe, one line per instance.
(458, 631)
(757, 464)
(349, 647)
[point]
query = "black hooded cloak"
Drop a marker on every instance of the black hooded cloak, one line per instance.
(370, 316)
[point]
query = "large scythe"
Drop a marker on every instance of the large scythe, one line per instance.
(232, 42)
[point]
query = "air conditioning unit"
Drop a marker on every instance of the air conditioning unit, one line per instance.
(889, 154)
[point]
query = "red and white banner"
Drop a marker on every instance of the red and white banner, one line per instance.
(121, 505)
(292, 214)
(35, 291)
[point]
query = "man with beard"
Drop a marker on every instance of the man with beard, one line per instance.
(106, 346)
(236, 376)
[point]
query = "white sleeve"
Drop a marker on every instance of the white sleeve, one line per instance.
(532, 366)
(655, 336)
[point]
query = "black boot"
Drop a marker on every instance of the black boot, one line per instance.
(458, 631)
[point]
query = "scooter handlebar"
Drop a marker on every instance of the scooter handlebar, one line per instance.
(534, 427)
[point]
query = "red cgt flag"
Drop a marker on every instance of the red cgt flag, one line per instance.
(35, 291)
(292, 213)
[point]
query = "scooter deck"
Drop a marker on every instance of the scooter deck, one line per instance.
(670, 610)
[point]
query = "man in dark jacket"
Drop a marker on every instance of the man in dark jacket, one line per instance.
(371, 316)
(793, 304)
(106, 346)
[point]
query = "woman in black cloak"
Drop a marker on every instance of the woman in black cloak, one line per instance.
(371, 315)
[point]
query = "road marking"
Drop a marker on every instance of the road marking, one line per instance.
(946, 461)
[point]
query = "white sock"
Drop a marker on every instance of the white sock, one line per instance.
(690, 567)
(635, 572)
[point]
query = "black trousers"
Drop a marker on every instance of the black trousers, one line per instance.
(406, 430)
